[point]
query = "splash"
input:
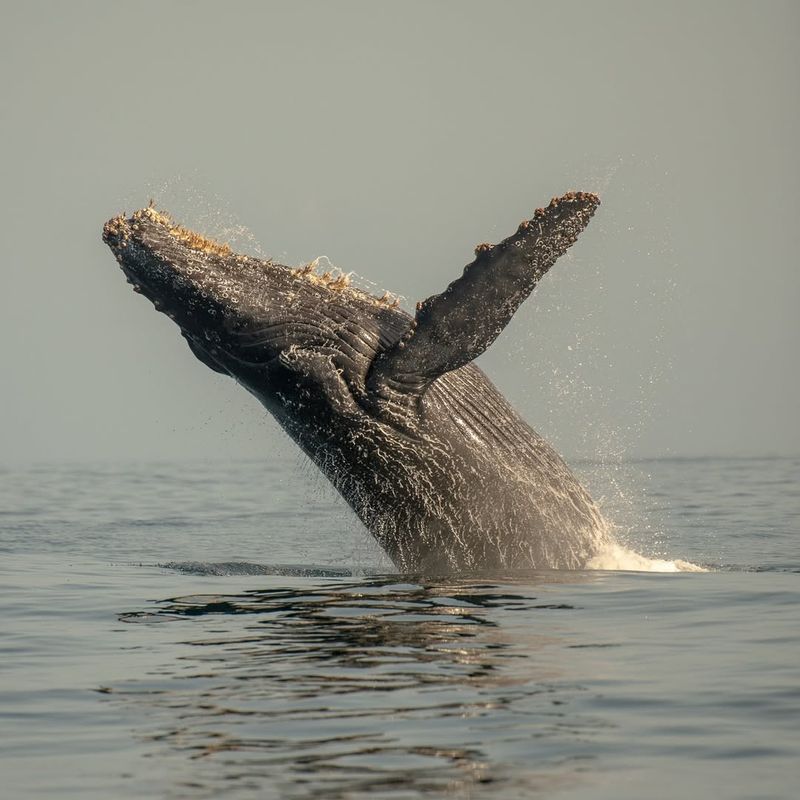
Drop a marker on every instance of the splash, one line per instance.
(614, 556)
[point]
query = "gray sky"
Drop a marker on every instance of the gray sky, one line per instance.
(393, 137)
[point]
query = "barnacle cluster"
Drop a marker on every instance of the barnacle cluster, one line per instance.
(192, 239)
(340, 281)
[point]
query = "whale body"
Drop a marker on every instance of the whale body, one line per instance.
(428, 453)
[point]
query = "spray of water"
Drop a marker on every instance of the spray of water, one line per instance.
(580, 374)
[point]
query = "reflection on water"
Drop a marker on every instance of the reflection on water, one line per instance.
(368, 688)
(338, 682)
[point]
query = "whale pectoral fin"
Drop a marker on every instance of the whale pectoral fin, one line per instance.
(452, 328)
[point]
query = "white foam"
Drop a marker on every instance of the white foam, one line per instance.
(616, 557)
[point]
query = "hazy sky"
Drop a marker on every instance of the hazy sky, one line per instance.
(393, 137)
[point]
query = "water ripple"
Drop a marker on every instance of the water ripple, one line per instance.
(362, 688)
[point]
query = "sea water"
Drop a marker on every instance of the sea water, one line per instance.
(218, 629)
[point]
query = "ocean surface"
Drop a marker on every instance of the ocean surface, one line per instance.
(218, 629)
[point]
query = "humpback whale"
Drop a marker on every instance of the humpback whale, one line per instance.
(427, 452)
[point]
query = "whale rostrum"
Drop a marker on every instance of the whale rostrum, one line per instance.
(429, 455)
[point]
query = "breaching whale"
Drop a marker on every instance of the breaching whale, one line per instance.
(430, 456)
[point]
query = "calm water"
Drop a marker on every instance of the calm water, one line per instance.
(226, 630)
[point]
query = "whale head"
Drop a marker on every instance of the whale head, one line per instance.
(289, 335)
